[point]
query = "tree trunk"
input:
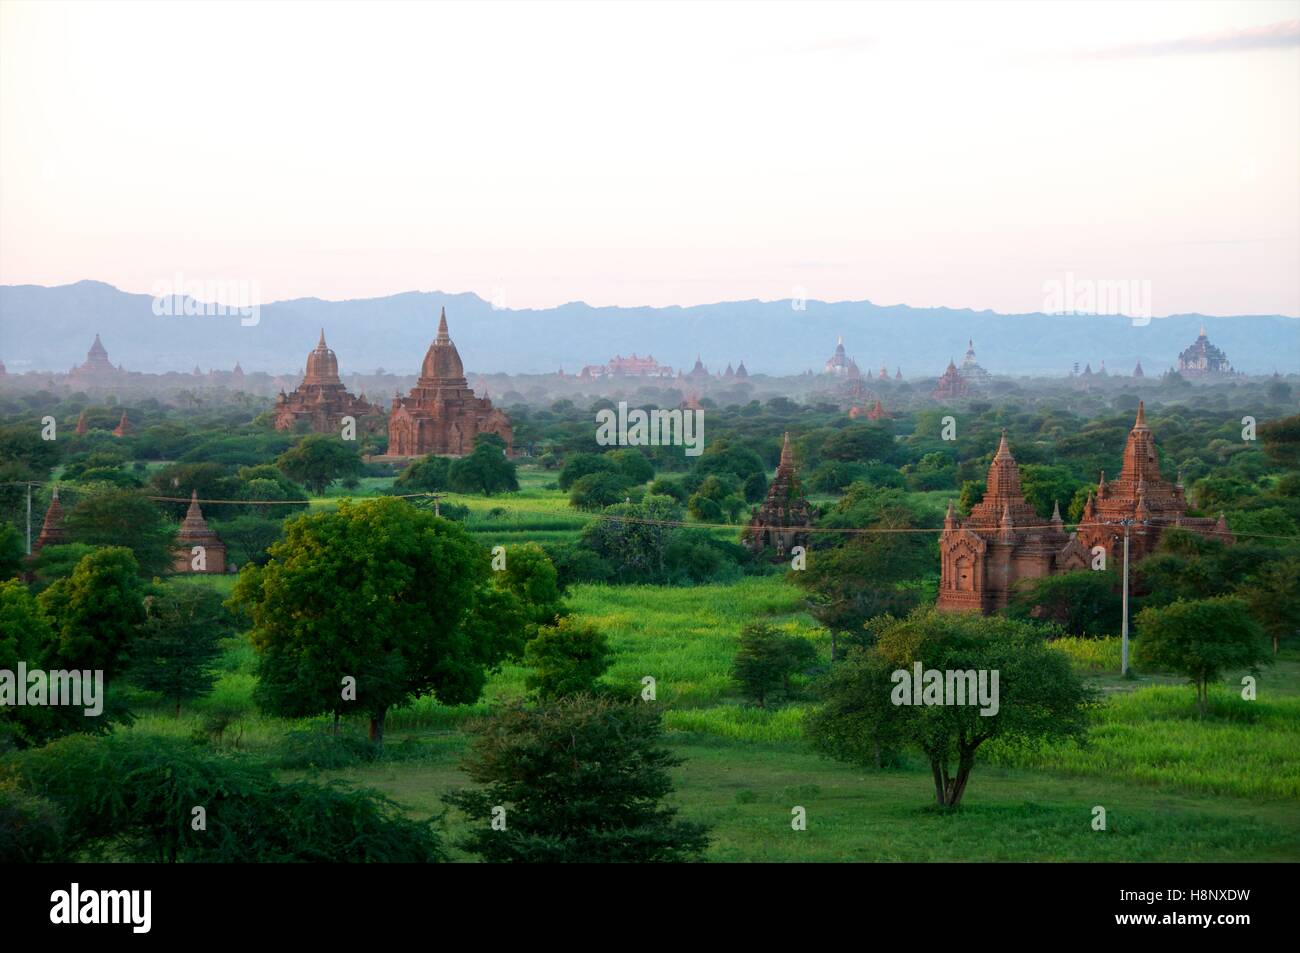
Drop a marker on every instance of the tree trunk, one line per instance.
(377, 727)
(833, 642)
(940, 785)
(957, 787)
(336, 724)
(178, 708)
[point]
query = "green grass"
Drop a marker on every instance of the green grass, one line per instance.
(1176, 786)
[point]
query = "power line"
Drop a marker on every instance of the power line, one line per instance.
(614, 517)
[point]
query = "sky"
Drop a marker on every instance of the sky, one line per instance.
(931, 154)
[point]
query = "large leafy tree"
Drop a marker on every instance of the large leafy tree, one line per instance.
(133, 796)
(486, 470)
(379, 591)
(1082, 603)
(1274, 599)
(426, 474)
(318, 460)
(12, 551)
(580, 779)
(566, 658)
(179, 641)
(1038, 695)
(1201, 639)
(95, 612)
(113, 516)
(530, 575)
(869, 575)
(767, 658)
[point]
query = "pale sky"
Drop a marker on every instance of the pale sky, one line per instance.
(927, 154)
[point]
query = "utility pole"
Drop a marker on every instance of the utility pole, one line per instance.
(1123, 670)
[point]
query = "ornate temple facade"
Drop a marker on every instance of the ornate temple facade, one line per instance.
(321, 399)
(839, 363)
(972, 373)
(1204, 360)
(1004, 540)
(783, 520)
(620, 366)
(195, 532)
(441, 415)
(97, 371)
(951, 385)
(1140, 495)
(52, 531)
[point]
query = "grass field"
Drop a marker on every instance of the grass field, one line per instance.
(1175, 786)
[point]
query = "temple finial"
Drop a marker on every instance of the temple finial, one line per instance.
(321, 342)
(1142, 414)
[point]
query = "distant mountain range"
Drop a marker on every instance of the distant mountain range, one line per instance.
(51, 329)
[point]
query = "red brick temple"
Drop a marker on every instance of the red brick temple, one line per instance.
(321, 399)
(951, 385)
(196, 532)
(1005, 541)
(782, 521)
(441, 415)
(52, 531)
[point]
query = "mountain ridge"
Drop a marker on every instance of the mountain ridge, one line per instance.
(49, 328)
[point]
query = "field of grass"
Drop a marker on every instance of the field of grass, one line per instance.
(1176, 786)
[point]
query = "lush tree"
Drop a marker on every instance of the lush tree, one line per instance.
(633, 464)
(179, 641)
(57, 562)
(486, 470)
(767, 658)
(248, 538)
(579, 779)
(728, 460)
(318, 460)
(634, 547)
(1084, 603)
(595, 491)
(95, 612)
(531, 577)
(859, 443)
(1201, 639)
(578, 465)
(1045, 486)
(13, 551)
(1037, 696)
(1274, 599)
(135, 795)
(566, 658)
(428, 474)
(25, 636)
(111, 516)
(31, 829)
(868, 575)
(379, 591)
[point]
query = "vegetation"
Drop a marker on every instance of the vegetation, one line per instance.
(633, 583)
(578, 779)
